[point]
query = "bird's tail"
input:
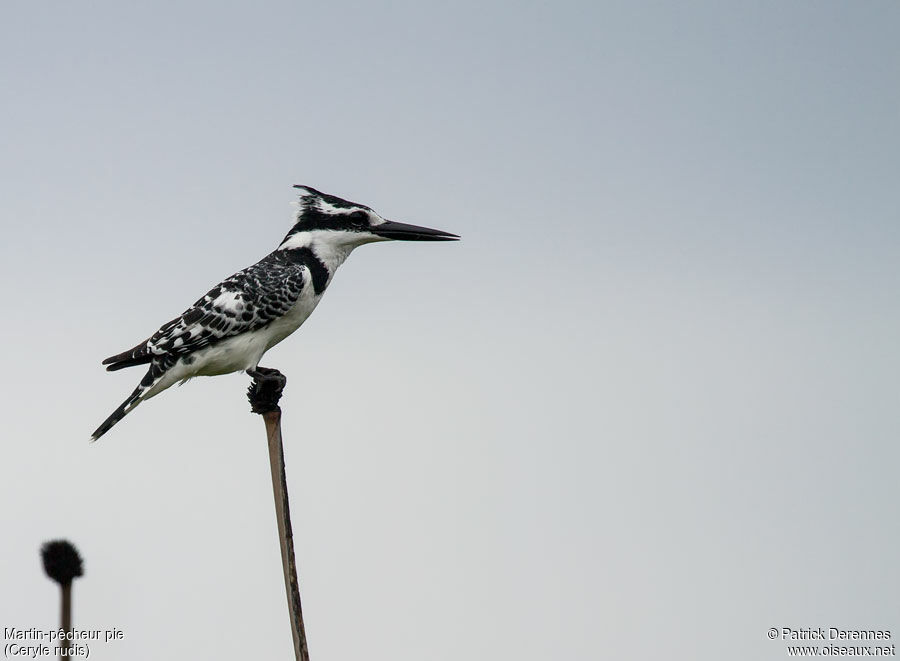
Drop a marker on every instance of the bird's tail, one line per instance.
(138, 355)
(150, 378)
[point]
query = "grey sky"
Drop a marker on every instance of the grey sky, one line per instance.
(646, 408)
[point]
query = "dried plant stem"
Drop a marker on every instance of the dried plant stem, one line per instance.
(264, 395)
(65, 617)
(285, 533)
(62, 564)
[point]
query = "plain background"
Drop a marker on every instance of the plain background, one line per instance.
(646, 408)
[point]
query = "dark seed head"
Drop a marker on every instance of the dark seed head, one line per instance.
(61, 561)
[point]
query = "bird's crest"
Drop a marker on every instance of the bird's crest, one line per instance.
(323, 203)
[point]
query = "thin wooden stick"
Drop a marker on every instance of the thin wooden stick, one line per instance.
(65, 616)
(264, 393)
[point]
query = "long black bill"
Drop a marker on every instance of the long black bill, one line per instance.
(404, 232)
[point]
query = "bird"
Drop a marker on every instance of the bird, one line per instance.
(230, 327)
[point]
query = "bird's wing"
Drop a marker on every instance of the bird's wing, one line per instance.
(247, 300)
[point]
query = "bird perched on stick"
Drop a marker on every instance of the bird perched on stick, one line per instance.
(237, 321)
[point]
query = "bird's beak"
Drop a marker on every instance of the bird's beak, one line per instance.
(404, 232)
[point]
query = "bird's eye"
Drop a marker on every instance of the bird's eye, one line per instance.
(359, 219)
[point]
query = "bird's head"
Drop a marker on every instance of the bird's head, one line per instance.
(326, 220)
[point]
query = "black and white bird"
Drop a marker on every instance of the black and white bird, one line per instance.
(237, 321)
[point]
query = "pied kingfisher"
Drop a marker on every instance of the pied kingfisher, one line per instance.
(237, 321)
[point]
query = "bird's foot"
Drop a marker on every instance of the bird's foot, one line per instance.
(265, 373)
(265, 391)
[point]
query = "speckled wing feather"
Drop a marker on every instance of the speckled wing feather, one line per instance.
(243, 302)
